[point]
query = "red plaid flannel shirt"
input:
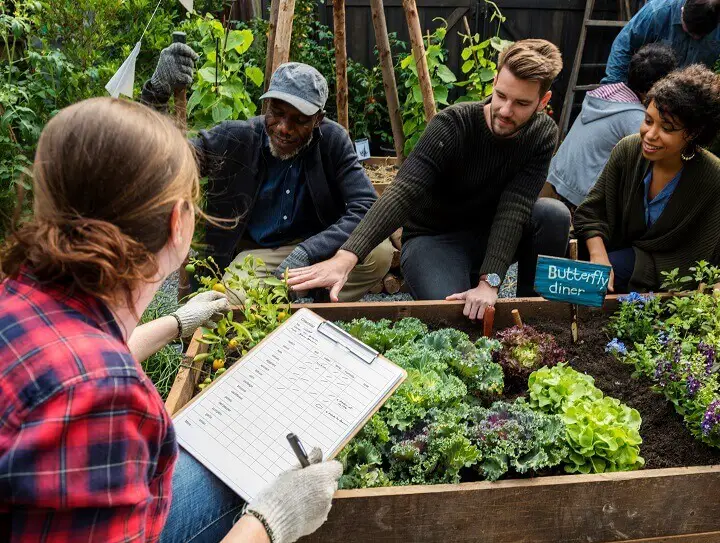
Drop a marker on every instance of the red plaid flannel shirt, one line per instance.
(87, 449)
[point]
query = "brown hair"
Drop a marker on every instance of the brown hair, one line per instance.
(107, 174)
(537, 60)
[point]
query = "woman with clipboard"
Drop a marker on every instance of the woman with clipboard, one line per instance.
(87, 450)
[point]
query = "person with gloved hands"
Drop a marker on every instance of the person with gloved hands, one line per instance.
(291, 177)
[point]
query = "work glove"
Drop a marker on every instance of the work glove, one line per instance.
(298, 258)
(174, 69)
(200, 310)
(299, 501)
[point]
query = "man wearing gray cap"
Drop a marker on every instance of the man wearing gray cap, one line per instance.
(291, 176)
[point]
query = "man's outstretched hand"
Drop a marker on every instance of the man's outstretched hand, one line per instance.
(331, 274)
(477, 300)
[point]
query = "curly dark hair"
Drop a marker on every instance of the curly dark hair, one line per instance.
(650, 64)
(691, 97)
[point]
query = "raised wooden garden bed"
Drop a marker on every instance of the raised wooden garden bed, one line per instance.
(670, 505)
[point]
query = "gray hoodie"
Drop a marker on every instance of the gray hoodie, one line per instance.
(579, 161)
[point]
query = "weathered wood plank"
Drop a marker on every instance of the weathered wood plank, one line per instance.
(183, 388)
(572, 509)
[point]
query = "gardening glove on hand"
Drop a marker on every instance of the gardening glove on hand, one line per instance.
(299, 501)
(200, 310)
(297, 259)
(174, 69)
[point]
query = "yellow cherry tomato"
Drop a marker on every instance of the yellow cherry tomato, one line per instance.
(219, 287)
(218, 363)
(233, 344)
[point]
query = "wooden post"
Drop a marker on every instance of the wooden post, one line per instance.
(181, 122)
(283, 34)
(418, 50)
(341, 64)
(574, 307)
(270, 53)
(388, 73)
(516, 317)
(488, 321)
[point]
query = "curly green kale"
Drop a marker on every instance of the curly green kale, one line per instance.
(383, 334)
(473, 363)
(362, 463)
(512, 435)
(524, 349)
(435, 454)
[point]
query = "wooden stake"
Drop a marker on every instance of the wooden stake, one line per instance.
(574, 307)
(388, 73)
(467, 26)
(283, 34)
(181, 122)
(488, 321)
(341, 64)
(418, 50)
(270, 53)
(516, 317)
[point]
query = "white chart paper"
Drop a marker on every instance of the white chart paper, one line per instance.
(296, 381)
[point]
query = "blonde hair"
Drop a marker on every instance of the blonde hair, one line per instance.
(536, 60)
(107, 174)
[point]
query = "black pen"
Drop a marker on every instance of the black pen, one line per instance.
(298, 450)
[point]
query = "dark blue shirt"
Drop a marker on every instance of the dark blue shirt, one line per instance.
(284, 212)
(655, 207)
(660, 21)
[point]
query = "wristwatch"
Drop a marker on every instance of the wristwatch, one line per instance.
(492, 279)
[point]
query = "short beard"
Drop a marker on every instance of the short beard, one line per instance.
(517, 128)
(277, 154)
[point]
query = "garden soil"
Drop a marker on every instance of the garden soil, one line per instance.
(666, 441)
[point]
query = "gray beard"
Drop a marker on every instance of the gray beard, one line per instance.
(277, 154)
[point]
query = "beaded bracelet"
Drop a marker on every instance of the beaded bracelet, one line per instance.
(179, 323)
(264, 523)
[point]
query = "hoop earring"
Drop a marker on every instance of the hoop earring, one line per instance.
(688, 158)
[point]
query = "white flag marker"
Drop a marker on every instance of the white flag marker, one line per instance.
(123, 80)
(188, 5)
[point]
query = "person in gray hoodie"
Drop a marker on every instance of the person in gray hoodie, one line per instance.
(609, 113)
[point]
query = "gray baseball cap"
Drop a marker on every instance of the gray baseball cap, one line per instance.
(300, 85)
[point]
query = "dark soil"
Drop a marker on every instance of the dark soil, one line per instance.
(666, 441)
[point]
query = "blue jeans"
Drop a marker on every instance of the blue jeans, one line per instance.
(203, 508)
(623, 264)
(436, 266)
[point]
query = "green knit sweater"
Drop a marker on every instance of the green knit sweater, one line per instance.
(461, 177)
(687, 231)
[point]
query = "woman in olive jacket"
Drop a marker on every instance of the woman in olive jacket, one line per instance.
(656, 206)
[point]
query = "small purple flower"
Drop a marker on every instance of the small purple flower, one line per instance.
(664, 372)
(616, 347)
(709, 353)
(693, 385)
(711, 418)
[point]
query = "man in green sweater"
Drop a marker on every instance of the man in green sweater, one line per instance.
(467, 195)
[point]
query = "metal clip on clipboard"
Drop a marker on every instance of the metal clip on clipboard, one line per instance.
(342, 339)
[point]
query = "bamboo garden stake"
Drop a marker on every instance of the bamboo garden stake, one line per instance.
(341, 64)
(388, 73)
(418, 51)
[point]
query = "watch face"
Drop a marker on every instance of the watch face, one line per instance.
(493, 279)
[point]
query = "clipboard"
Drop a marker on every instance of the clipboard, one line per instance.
(308, 377)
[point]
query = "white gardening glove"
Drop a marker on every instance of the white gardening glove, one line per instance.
(200, 310)
(299, 501)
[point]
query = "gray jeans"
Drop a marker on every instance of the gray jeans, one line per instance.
(437, 266)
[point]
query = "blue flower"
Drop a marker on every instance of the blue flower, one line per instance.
(616, 347)
(634, 297)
